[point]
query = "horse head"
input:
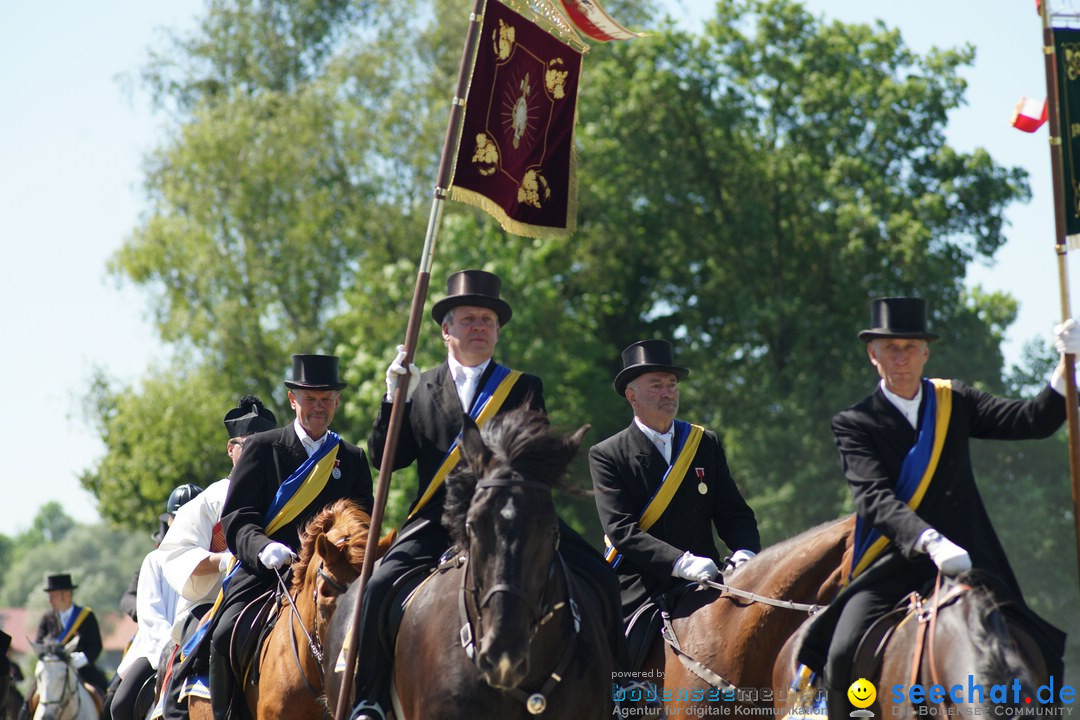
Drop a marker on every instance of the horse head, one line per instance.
(331, 555)
(499, 510)
(57, 681)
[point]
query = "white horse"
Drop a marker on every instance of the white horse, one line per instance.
(61, 694)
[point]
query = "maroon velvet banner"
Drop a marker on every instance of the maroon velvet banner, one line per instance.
(515, 159)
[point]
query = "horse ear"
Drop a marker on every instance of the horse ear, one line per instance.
(37, 647)
(574, 440)
(326, 549)
(473, 448)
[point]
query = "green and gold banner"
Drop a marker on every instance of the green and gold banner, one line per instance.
(515, 159)
(1067, 47)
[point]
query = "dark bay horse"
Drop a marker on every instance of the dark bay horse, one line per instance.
(290, 685)
(504, 631)
(957, 638)
(738, 639)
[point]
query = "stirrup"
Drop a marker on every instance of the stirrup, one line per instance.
(810, 697)
(365, 710)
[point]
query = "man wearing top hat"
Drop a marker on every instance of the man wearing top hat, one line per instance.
(194, 555)
(657, 546)
(918, 511)
(261, 519)
(67, 620)
(471, 316)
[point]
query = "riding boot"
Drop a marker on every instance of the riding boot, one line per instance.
(222, 686)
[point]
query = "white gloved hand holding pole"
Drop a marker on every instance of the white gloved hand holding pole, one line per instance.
(397, 370)
(695, 568)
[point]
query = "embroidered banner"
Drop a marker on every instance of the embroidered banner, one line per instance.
(515, 159)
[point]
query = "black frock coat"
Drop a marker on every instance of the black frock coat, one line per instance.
(874, 438)
(626, 471)
(269, 458)
(433, 421)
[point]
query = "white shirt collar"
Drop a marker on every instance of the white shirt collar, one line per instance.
(456, 367)
(65, 616)
(662, 440)
(908, 408)
(310, 446)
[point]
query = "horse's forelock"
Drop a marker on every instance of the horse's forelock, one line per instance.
(522, 440)
(343, 513)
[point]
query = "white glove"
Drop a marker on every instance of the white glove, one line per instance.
(79, 660)
(276, 556)
(1067, 337)
(739, 557)
(950, 558)
(694, 568)
(397, 370)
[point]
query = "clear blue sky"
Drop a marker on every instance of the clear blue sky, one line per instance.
(72, 140)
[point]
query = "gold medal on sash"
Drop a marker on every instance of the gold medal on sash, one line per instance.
(701, 486)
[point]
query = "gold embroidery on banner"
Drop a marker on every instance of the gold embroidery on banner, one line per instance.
(504, 40)
(533, 185)
(555, 79)
(1072, 60)
(486, 155)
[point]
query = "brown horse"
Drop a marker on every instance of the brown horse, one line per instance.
(736, 638)
(504, 631)
(959, 637)
(290, 682)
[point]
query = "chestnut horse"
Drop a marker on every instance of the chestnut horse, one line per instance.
(959, 637)
(290, 685)
(737, 638)
(504, 630)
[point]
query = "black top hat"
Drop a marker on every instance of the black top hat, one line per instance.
(473, 287)
(249, 416)
(60, 581)
(897, 317)
(647, 356)
(314, 372)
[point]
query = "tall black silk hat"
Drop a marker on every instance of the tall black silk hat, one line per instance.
(249, 416)
(897, 317)
(314, 372)
(59, 581)
(478, 288)
(647, 356)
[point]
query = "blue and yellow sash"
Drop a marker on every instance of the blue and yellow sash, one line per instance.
(78, 617)
(292, 498)
(915, 474)
(686, 440)
(486, 406)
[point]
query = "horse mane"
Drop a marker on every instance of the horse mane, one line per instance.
(521, 439)
(997, 661)
(341, 512)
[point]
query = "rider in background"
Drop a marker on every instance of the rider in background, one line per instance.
(67, 620)
(156, 606)
(195, 555)
(265, 510)
(471, 317)
(919, 513)
(656, 545)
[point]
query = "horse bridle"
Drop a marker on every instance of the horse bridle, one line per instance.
(540, 613)
(924, 634)
(68, 687)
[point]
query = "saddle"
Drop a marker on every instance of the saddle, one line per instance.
(253, 626)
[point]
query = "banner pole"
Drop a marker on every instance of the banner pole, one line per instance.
(1062, 249)
(423, 277)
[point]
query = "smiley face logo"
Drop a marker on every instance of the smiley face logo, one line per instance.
(862, 693)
